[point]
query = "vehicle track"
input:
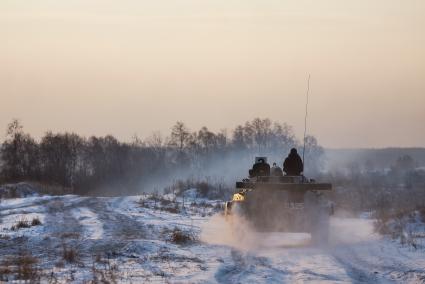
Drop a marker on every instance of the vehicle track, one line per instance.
(115, 224)
(241, 266)
(134, 236)
(377, 266)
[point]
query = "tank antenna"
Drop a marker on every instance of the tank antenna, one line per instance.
(305, 118)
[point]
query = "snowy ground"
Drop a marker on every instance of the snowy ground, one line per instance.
(120, 240)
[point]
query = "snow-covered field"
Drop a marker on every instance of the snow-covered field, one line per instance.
(119, 239)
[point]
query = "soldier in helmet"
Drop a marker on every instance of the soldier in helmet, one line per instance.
(276, 171)
(293, 165)
(260, 168)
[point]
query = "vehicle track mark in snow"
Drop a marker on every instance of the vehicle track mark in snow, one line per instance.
(93, 228)
(306, 264)
(357, 274)
(309, 275)
(133, 237)
(370, 262)
(115, 224)
(59, 221)
(247, 267)
(21, 204)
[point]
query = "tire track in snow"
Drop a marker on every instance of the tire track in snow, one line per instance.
(247, 267)
(365, 263)
(59, 220)
(115, 224)
(92, 227)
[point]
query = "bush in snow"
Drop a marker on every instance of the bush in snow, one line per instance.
(20, 267)
(21, 224)
(406, 226)
(160, 202)
(179, 236)
(24, 223)
(35, 222)
(69, 254)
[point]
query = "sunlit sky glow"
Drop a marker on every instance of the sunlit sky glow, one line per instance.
(125, 67)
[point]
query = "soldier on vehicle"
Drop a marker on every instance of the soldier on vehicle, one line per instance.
(293, 165)
(260, 168)
(276, 171)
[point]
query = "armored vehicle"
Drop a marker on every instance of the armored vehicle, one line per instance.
(283, 204)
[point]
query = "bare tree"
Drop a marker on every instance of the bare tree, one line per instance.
(155, 140)
(60, 154)
(179, 135)
(238, 140)
(19, 153)
(104, 162)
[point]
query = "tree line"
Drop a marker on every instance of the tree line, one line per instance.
(97, 163)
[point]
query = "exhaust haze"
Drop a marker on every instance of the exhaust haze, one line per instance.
(237, 232)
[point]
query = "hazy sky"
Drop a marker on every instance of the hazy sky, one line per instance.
(133, 66)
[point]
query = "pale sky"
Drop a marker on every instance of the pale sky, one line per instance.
(132, 66)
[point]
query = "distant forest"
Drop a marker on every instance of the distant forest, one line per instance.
(105, 164)
(363, 179)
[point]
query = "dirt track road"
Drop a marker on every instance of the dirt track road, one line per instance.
(135, 239)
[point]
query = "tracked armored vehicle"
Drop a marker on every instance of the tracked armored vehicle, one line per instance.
(283, 204)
